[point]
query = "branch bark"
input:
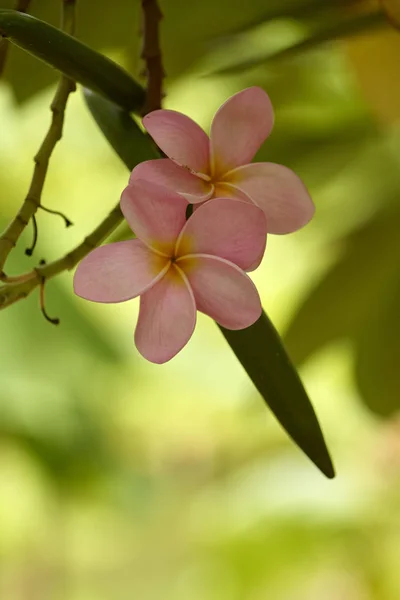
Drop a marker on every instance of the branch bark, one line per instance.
(151, 54)
(21, 286)
(10, 236)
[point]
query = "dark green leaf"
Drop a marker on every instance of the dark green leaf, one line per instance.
(122, 132)
(345, 299)
(261, 352)
(72, 58)
(259, 347)
(186, 31)
(325, 33)
(291, 9)
(377, 356)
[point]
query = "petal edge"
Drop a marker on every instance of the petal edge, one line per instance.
(279, 192)
(222, 291)
(118, 272)
(180, 138)
(167, 318)
(230, 229)
(239, 128)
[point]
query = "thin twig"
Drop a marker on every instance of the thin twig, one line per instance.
(53, 321)
(21, 6)
(14, 279)
(151, 54)
(21, 286)
(57, 213)
(29, 251)
(31, 203)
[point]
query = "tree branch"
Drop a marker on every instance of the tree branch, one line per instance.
(151, 54)
(21, 6)
(32, 201)
(21, 286)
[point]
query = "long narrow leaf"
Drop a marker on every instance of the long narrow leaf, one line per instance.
(258, 348)
(72, 58)
(288, 9)
(122, 132)
(262, 354)
(326, 33)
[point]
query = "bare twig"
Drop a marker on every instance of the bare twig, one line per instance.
(15, 288)
(21, 286)
(58, 213)
(52, 320)
(31, 203)
(29, 251)
(151, 54)
(21, 6)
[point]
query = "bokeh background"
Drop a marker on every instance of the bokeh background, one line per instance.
(121, 479)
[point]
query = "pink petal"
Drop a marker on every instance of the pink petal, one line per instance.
(167, 318)
(239, 128)
(180, 138)
(222, 290)
(230, 229)
(165, 172)
(155, 214)
(279, 192)
(224, 189)
(118, 272)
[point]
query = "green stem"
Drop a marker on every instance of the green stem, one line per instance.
(25, 284)
(32, 201)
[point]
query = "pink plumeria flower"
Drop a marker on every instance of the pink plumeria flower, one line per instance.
(178, 266)
(201, 168)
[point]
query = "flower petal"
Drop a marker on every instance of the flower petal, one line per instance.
(230, 229)
(167, 318)
(180, 138)
(222, 290)
(165, 172)
(118, 272)
(155, 214)
(223, 189)
(279, 192)
(239, 128)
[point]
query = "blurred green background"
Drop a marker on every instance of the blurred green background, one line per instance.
(122, 479)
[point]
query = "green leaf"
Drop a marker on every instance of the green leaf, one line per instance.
(72, 58)
(263, 356)
(326, 33)
(344, 301)
(259, 347)
(377, 354)
(289, 9)
(122, 132)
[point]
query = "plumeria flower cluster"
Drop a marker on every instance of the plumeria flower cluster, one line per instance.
(179, 265)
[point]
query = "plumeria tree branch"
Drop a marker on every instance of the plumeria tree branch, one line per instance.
(151, 54)
(17, 288)
(32, 201)
(21, 6)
